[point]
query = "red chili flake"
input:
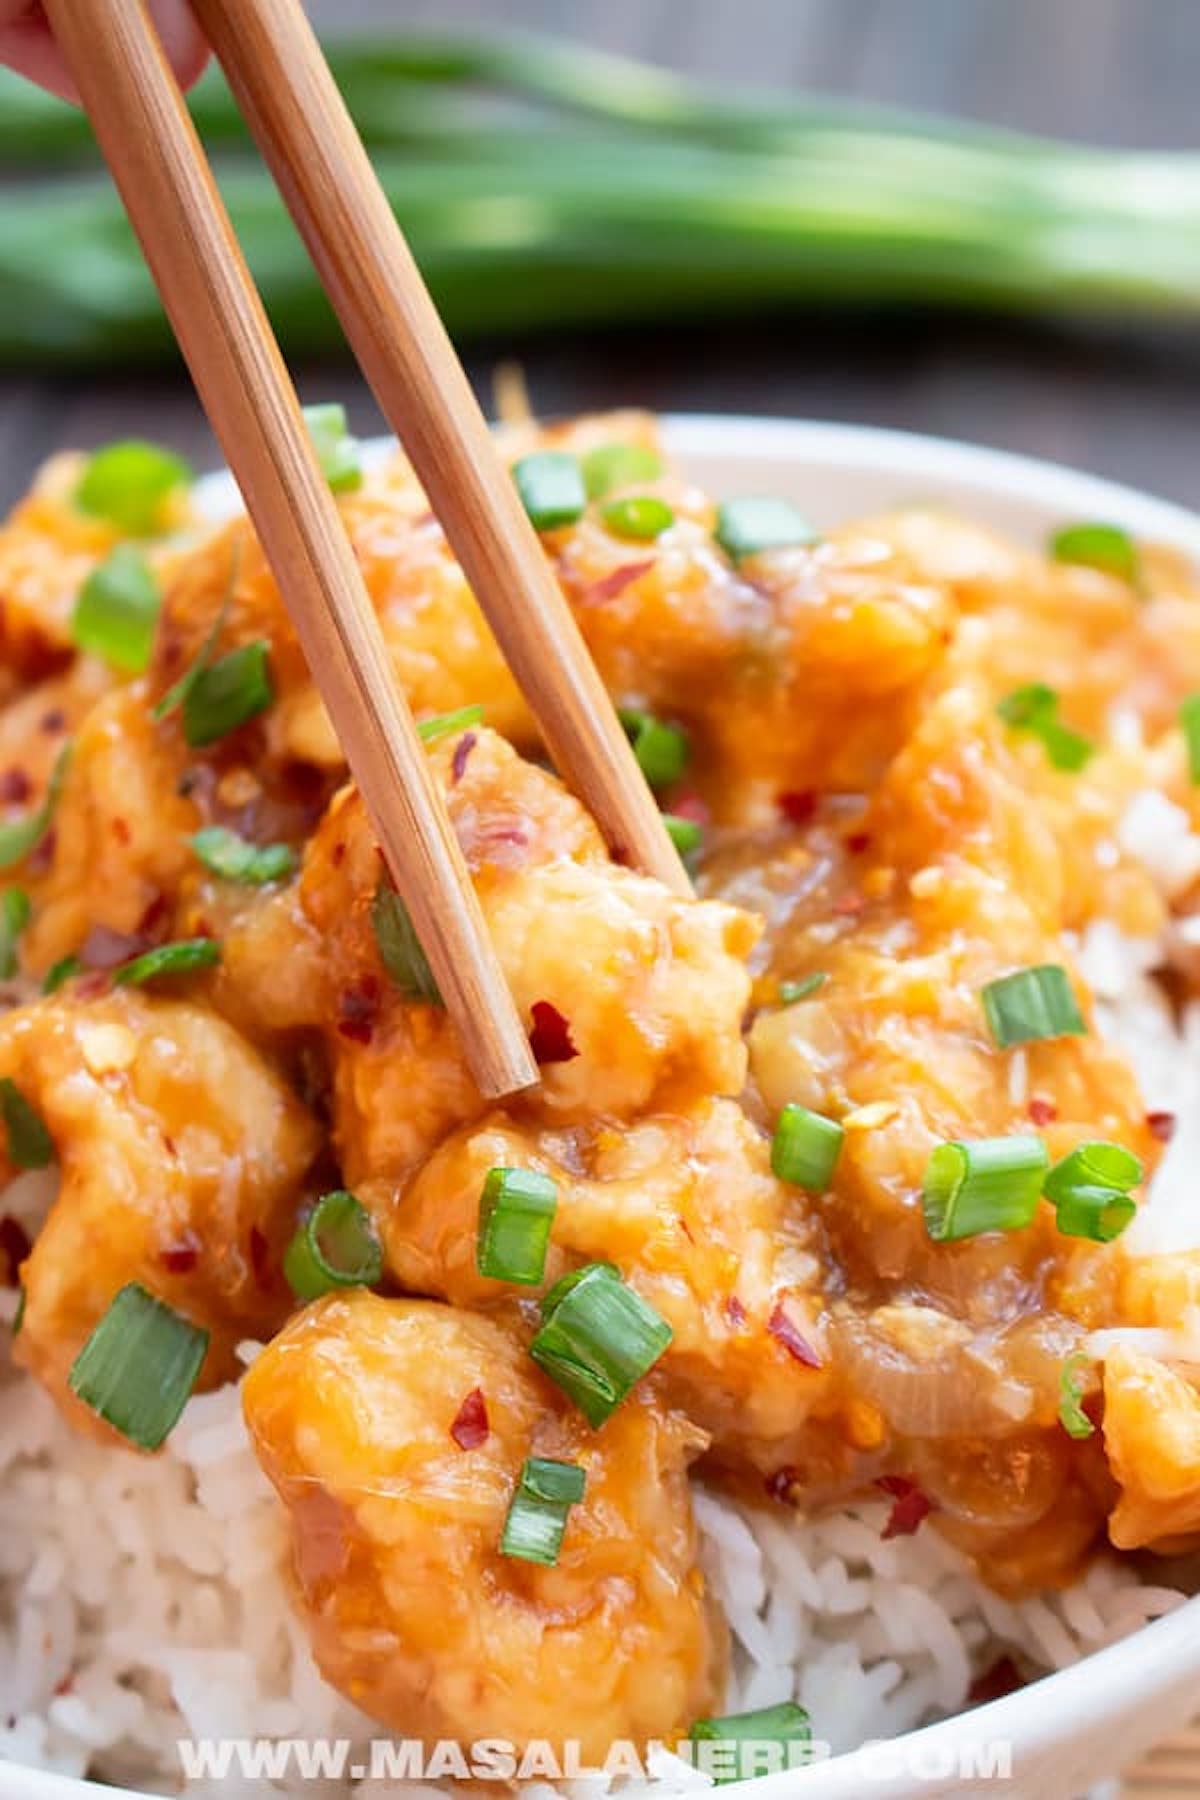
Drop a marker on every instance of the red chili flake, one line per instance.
(691, 806)
(53, 721)
(798, 805)
(154, 918)
(1161, 1125)
(14, 1248)
(793, 1340)
(469, 1427)
(121, 831)
(105, 949)
(735, 1312)
(857, 842)
(1002, 1678)
(358, 1009)
(781, 1484)
(616, 581)
(910, 1505)
(41, 857)
(259, 1260)
(15, 787)
(337, 855)
(181, 1258)
(1042, 1111)
(92, 985)
(686, 1229)
(550, 1040)
(462, 752)
(848, 906)
(67, 1684)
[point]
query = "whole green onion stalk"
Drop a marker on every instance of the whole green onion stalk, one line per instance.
(541, 183)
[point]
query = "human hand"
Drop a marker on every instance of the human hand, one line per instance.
(27, 45)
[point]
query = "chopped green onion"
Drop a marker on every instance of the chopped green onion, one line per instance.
(180, 958)
(177, 693)
(1090, 1189)
(611, 466)
(337, 451)
(745, 527)
(791, 991)
(20, 836)
(1034, 709)
(739, 1740)
(61, 971)
(1097, 1213)
(30, 1145)
(662, 751)
(597, 1339)
(550, 484)
(1074, 1420)
(685, 834)
(537, 1514)
(805, 1148)
(226, 693)
(19, 1315)
(139, 1366)
(337, 1246)
(992, 1184)
(446, 724)
(1104, 547)
(235, 858)
(1031, 1004)
(1189, 724)
(117, 610)
(400, 947)
(14, 916)
(639, 516)
(129, 484)
(516, 1211)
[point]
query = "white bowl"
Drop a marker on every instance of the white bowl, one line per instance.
(1080, 1726)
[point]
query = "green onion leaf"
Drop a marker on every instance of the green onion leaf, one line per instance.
(685, 834)
(337, 452)
(537, 1514)
(181, 958)
(1104, 547)
(1097, 1213)
(1189, 724)
(235, 858)
(178, 692)
(225, 694)
(550, 484)
(30, 1145)
(640, 517)
(1034, 709)
(1031, 1004)
(791, 991)
(447, 724)
(745, 527)
(400, 947)
(139, 1366)
(516, 1211)
(19, 836)
(129, 484)
(597, 1339)
(1074, 1420)
(611, 466)
(992, 1184)
(805, 1148)
(14, 916)
(19, 1315)
(662, 751)
(1090, 1189)
(739, 1740)
(337, 1246)
(61, 971)
(117, 610)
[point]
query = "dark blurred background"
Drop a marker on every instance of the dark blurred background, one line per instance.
(1118, 398)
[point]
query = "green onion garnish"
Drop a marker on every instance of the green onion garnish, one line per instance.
(638, 516)
(139, 1366)
(537, 1514)
(746, 1734)
(1074, 1420)
(400, 947)
(235, 858)
(14, 916)
(337, 1246)
(1034, 709)
(1189, 724)
(992, 1184)
(1091, 1190)
(129, 483)
(20, 836)
(225, 694)
(19, 1315)
(1031, 1004)
(1104, 547)
(337, 451)
(30, 1145)
(805, 1148)
(744, 527)
(516, 1211)
(597, 1339)
(180, 958)
(61, 971)
(446, 724)
(550, 484)
(176, 695)
(611, 466)
(117, 610)
(662, 751)
(791, 991)
(685, 834)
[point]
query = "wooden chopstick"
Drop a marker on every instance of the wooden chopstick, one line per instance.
(292, 105)
(147, 138)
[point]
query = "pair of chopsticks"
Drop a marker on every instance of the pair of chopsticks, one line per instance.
(284, 88)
